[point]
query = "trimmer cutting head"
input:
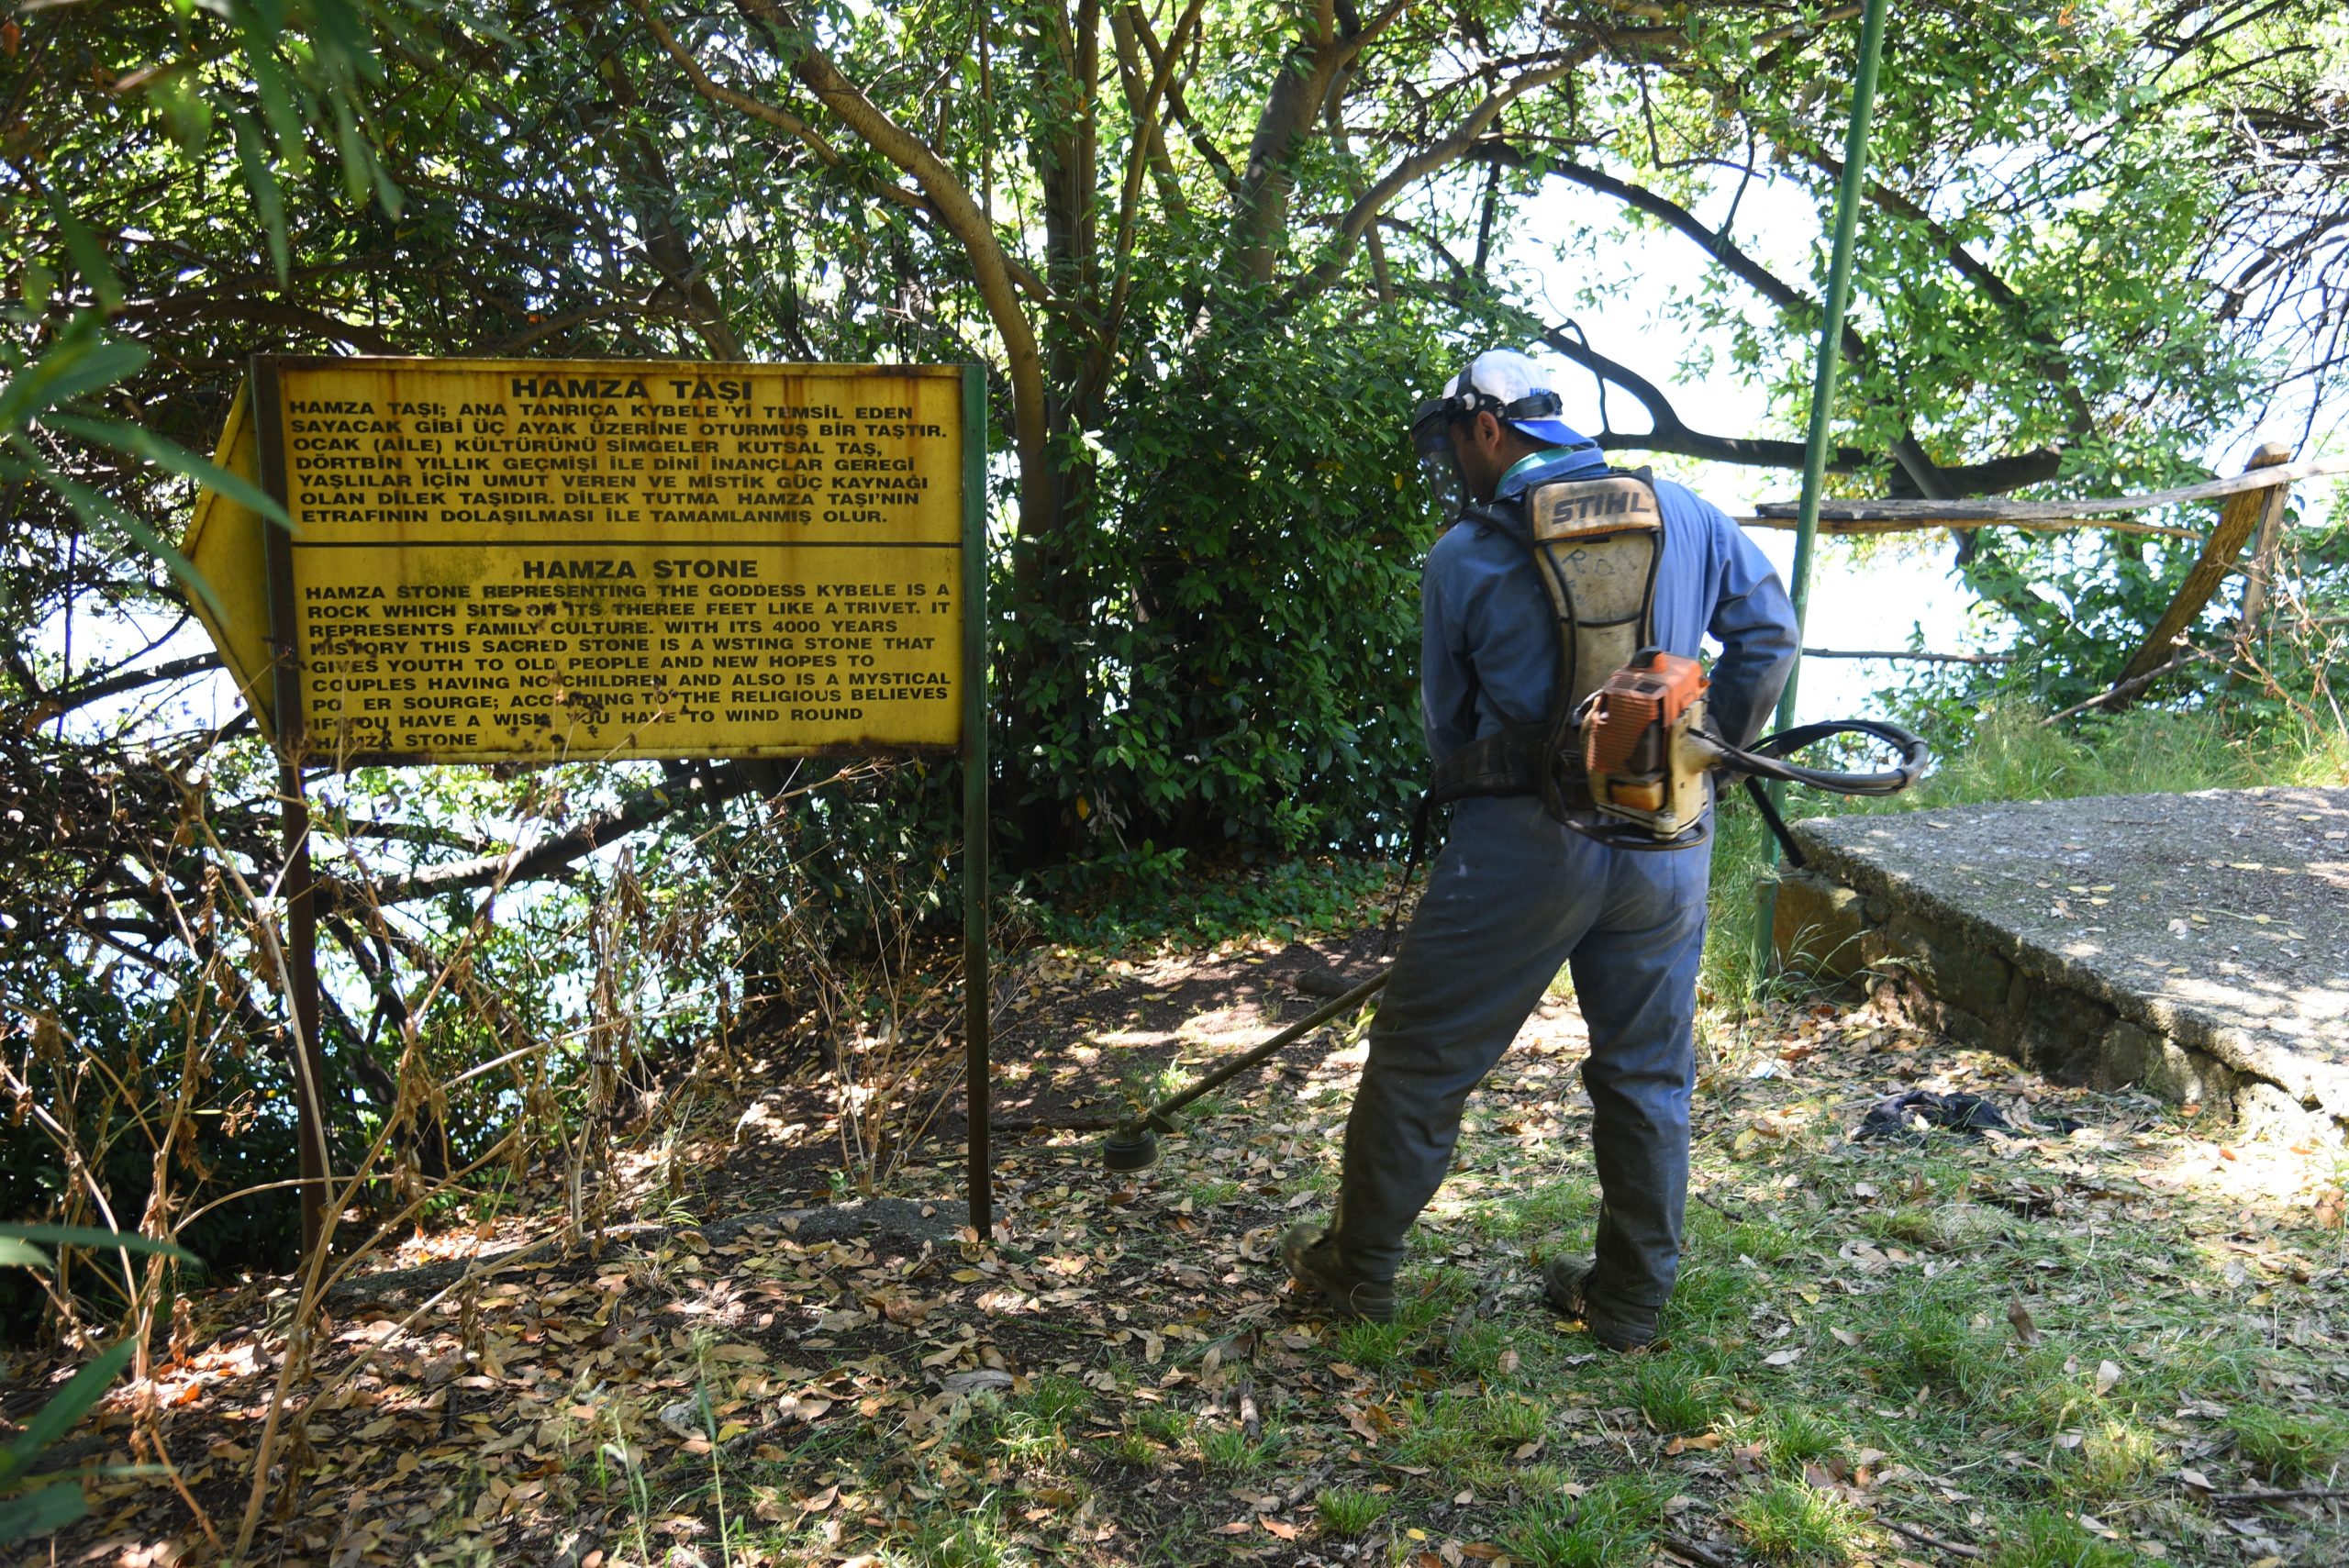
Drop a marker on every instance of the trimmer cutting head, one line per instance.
(1130, 1148)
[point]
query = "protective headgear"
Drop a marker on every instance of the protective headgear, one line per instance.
(1499, 382)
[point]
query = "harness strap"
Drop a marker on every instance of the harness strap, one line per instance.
(1541, 758)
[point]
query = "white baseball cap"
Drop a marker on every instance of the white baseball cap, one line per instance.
(1507, 384)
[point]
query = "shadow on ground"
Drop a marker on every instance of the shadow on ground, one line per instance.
(2114, 1344)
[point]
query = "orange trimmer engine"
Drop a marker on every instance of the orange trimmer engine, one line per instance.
(1642, 747)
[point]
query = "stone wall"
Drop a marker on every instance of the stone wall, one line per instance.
(1951, 970)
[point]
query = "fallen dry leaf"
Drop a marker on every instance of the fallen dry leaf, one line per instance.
(973, 1380)
(2025, 1330)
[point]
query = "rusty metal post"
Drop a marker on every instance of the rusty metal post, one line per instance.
(301, 947)
(298, 886)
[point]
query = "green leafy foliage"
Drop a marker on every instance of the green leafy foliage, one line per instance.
(1251, 563)
(35, 1506)
(40, 398)
(1173, 896)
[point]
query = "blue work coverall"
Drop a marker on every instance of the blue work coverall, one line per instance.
(1515, 894)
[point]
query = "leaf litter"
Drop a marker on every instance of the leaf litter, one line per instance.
(1121, 1378)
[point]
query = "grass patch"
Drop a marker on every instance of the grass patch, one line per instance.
(1675, 1396)
(1130, 1448)
(1551, 1207)
(1480, 1351)
(2289, 1449)
(1055, 1398)
(1508, 1422)
(1945, 1227)
(1796, 1435)
(2048, 1539)
(1470, 1437)
(1440, 1431)
(1374, 1346)
(1613, 1523)
(1210, 1193)
(1707, 1292)
(1350, 1511)
(1033, 1427)
(976, 1539)
(2111, 1456)
(1930, 1345)
(1790, 1523)
(1166, 1423)
(1764, 1241)
(1226, 1451)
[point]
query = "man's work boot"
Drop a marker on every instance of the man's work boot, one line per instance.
(1566, 1285)
(1313, 1263)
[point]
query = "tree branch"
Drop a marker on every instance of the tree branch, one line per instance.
(1716, 243)
(991, 268)
(652, 190)
(1308, 70)
(1671, 435)
(46, 706)
(1417, 165)
(1930, 479)
(1180, 107)
(639, 811)
(1145, 115)
(254, 311)
(1148, 127)
(1984, 277)
(826, 153)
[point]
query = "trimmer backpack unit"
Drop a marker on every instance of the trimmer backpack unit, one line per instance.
(1625, 753)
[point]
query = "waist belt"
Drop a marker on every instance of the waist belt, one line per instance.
(1519, 759)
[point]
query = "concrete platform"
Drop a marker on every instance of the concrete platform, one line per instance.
(2196, 946)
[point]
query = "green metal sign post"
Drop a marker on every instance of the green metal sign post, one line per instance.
(977, 1080)
(1823, 407)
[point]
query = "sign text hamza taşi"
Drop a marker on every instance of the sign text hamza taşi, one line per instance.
(531, 561)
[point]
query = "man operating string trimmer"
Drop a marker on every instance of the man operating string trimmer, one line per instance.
(1544, 607)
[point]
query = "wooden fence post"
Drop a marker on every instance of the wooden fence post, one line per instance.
(2240, 514)
(2265, 547)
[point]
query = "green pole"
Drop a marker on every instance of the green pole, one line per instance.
(1822, 411)
(978, 1074)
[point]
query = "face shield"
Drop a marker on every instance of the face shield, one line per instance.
(1431, 424)
(1431, 439)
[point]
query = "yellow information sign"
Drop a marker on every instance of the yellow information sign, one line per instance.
(229, 545)
(530, 561)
